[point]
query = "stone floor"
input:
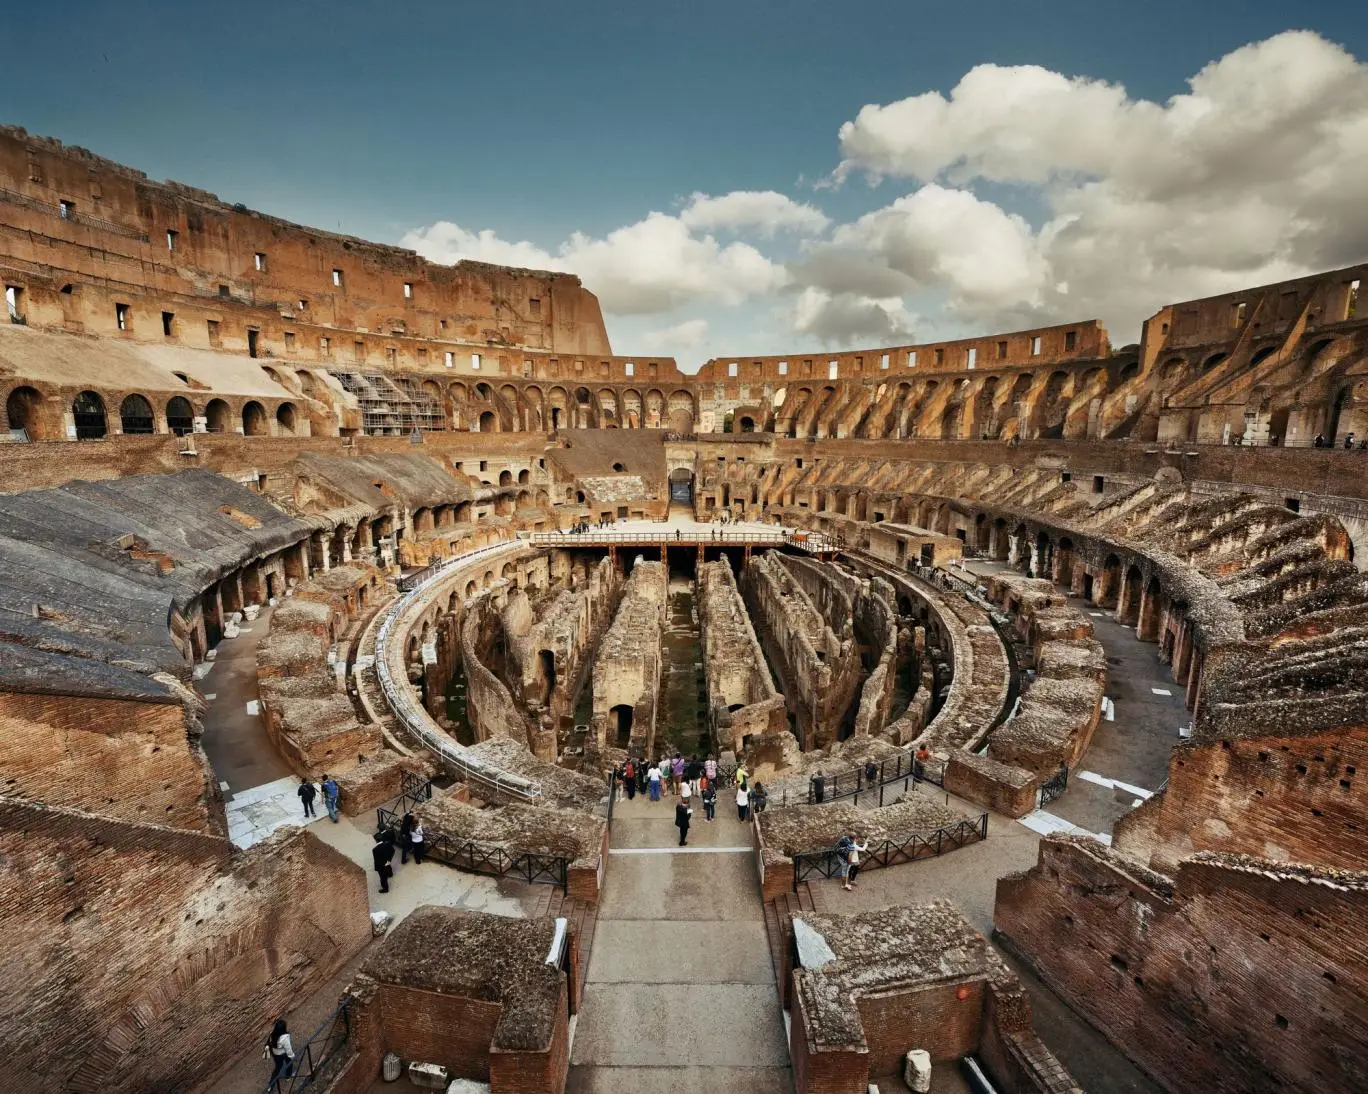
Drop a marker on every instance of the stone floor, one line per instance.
(680, 992)
(256, 812)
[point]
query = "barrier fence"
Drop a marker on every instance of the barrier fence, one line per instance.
(314, 1062)
(920, 845)
(852, 782)
(812, 542)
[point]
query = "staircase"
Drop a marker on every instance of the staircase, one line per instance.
(550, 901)
(778, 914)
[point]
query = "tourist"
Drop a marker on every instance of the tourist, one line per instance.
(857, 852)
(629, 778)
(844, 846)
(405, 838)
(416, 843)
(742, 802)
(677, 771)
(280, 1052)
(709, 800)
(682, 815)
(653, 780)
(330, 795)
(710, 768)
(307, 793)
(1349, 440)
(871, 772)
(759, 798)
(686, 792)
(923, 757)
(1319, 442)
(382, 854)
(818, 787)
(641, 769)
(742, 775)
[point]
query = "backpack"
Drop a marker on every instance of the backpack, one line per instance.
(629, 771)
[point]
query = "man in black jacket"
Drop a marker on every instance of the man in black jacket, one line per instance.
(682, 813)
(382, 854)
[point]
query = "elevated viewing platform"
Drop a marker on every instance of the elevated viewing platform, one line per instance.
(686, 532)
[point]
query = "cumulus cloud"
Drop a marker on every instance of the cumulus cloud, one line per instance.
(766, 211)
(1253, 175)
(847, 318)
(652, 266)
(689, 334)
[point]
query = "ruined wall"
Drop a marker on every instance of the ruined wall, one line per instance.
(490, 707)
(147, 957)
(628, 665)
(1284, 798)
(819, 666)
(125, 759)
(742, 699)
(1236, 976)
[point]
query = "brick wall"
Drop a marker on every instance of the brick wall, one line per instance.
(145, 953)
(836, 1071)
(535, 1071)
(1290, 799)
(116, 757)
(1237, 978)
(934, 1018)
(993, 785)
(440, 1029)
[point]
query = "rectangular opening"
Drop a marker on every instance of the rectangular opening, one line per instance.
(303, 305)
(652, 369)
(833, 369)
(940, 356)
(168, 323)
(122, 316)
(859, 364)
(325, 347)
(911, 358)
(1002, 351)
(731, 369)
(14, 303)
(484, 465)
(1070, 340)
(971, 358)
(1098, 483)
(534, 306)
(213, 326)
(289, 341)
(629, 369)
(422, 355)
(391, 355)
(408, 290)
(171, 234)
(1351, 299)
(337, 278)
(359, 350)
(475, 361)
(223, 291)
(450, 359)
(259, 261)
(783, 368)
(66, 208)
(1294, 504)
(1066, 476)
(883, 361)
(1035, 346)
(1237, 313)
(252, 335)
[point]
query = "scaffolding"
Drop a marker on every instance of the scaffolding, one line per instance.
(392, 407)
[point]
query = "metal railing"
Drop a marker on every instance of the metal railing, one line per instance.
(920, 845)
(1054, 786)
(313, 1062)
(813, 542)
(410, 713)
(854, 781)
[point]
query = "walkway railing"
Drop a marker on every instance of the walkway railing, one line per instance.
(812, 542)
(1054, 786)
(312, 1062)
(410, 712)
(852, 782)
(951, 837)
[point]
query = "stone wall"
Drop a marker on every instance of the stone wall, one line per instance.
(627, 668)
(147, 957)
(1236, 975)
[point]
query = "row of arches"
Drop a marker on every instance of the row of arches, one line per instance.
(37, 416)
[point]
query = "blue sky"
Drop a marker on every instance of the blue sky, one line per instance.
(536, 122)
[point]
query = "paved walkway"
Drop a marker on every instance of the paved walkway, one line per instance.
(680, 992)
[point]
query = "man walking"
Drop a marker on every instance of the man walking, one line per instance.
(382, 854)
(682, 814)
(330, 793)
(709, 800)
(307, 793)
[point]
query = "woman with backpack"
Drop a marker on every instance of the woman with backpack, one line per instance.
(280, 1052)
(629, 778)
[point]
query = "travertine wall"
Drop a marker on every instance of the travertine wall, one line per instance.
(1237, 975)
(628, 664)
(146, 957)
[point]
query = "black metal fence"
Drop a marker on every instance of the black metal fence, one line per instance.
(315, 1062)
(854, 781)
(1054, 786)
(827, 863)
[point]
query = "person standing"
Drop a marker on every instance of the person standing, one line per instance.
(871, 773)
(629, 778)
(682, 814)
(677, 771)
(819, 787)
(742, 802)
(686, 793)
(742, 775)
(382, 854)
(857, 853)
(844, 846)
(709, 801)
(759, 798)
(280, 1052)
(710, 769)
(653, 780)
(330, 795)
(416, 842)
(405, 838)
(307, 793)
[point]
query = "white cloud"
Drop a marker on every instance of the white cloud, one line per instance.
(1254, 175)
(689, 334)
(846, 318)
(767, 211)
(650, 267)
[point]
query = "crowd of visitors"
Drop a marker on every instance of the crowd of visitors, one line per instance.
(686, 780)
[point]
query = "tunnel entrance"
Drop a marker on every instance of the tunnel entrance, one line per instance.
(622, 723)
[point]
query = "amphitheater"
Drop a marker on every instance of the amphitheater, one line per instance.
(1072, 638)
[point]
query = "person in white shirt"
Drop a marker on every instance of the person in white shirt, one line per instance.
(653, 780)
(416, 844)
(281, 1054)
(742, 802)
(686, 792)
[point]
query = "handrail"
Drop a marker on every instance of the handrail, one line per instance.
(919, 845)
(491, 859)
(318, 1051)
(814, 542)
(416, 720)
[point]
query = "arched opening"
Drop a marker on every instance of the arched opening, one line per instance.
(285, 418)
(89, 411)
(180, 416)
(747, 424)
(546, 660)
(505, 478)
(254, 419)
(488, 422)
(135, 415)
(217, 416)
(524, 477)
(621, 717)
(1128, 610)
(1111, 582)
(1214, 360)
(22, 408)
(1151, 612)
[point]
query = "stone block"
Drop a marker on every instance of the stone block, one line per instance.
(428, 1076)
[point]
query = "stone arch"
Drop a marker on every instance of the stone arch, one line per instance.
(218, 416)
(505, 477)
(1110, 592)
(285, 418)
(180, 415)
(88, 409)
(1214, 360)
(254, 419)
(488, 422)
(135, 415)
(633, 409)
(24, 408)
